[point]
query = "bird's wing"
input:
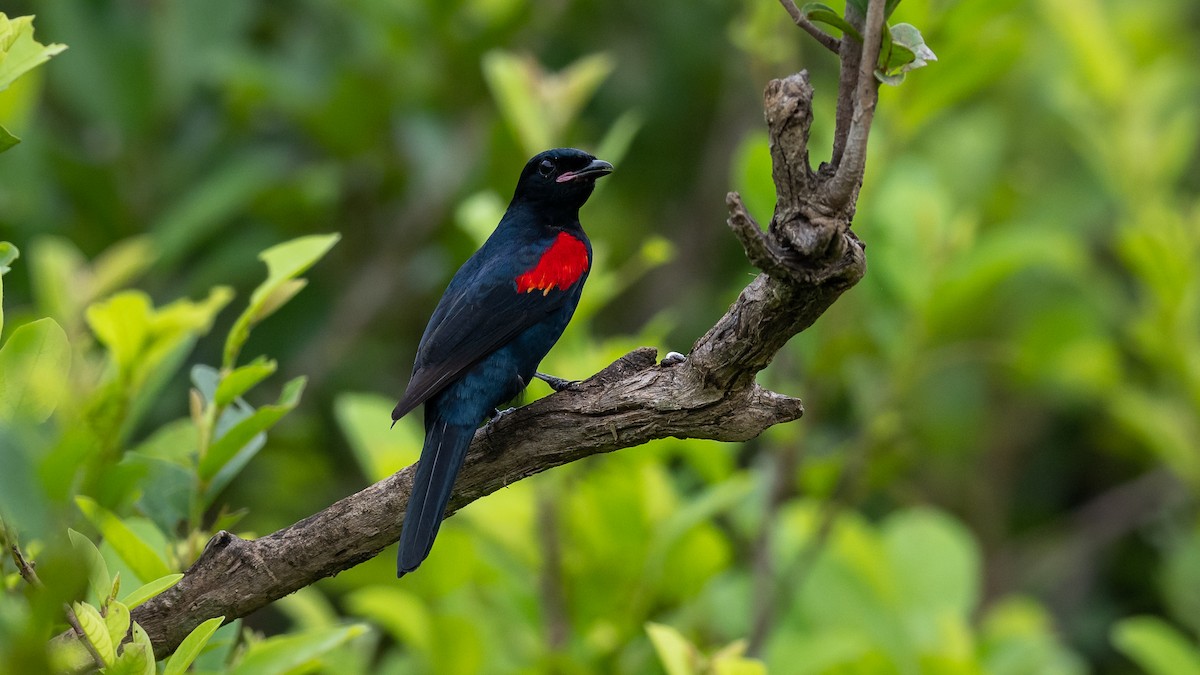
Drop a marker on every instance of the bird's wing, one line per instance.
(481, 311)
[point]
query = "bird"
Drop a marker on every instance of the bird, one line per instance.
(499, 316)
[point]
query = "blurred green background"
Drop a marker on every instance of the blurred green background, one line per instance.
(999, 466)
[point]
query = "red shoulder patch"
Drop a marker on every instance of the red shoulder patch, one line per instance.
(560, 266)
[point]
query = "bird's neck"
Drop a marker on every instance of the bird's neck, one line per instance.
(546, 217)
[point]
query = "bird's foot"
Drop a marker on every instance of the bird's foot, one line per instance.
(673, 359)
(487, 428)
(498, 413)
(556, 383)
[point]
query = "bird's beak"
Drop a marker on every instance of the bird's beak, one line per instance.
(596, 169)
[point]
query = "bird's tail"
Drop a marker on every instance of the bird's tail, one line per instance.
(443, 454)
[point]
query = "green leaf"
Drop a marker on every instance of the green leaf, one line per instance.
(191, 646)
(122, 323)
(903, 49)
(19, 52)
(34, 364)
(98, 580)
(539, 106)
(288, 653)
(147, 591)
(135, 659)
(8, 253)
(95, 631)
(1156, 646)
(142, 639)
(821, 13)
(278, 298)
(116, 619)
(245, 431)
(677, 655)
(56, 268)
(145, 562)
(242, 379)
(7, 139)
(935, 561)
(284, 262)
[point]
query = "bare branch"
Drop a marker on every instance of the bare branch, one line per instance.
(825, 39)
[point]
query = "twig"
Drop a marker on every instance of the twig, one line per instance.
(25, 567)
(825, 39)
(849, 172)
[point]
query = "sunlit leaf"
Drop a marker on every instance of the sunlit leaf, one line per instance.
(731, 660)
(934, 559)
(7, 139)
(151, 589)
(191, 646)
(34, 364)
(539, 106)
(116, 619)
(19, 51)
(677, 655)
(821, 13)
(122, 323)
(284, 262)
(242, 379)
(136, 659)
(145, 562)
(142, 640)
(8, 253)
(228, 445)
(98, 580)
(287, 653)
(1156, 646)
(95, 631)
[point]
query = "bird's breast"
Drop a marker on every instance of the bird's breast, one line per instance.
(560, 266)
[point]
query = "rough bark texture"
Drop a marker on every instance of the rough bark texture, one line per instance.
(809, 257)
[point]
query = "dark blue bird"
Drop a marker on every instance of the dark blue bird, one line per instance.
(502, 312)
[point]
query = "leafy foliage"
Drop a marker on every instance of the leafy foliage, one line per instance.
(997, 471)
(19, 53)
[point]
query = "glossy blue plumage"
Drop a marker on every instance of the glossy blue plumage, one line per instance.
(485, 339)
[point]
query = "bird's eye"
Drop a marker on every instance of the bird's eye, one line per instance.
(546, 167)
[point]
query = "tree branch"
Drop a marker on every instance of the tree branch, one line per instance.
(809, 256)
(849, 169)
(825, 39)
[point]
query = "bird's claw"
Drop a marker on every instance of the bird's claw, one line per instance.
(556, 383)
(673, 359)
(498, 413)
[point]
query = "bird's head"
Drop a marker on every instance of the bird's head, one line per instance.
(562, 177)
